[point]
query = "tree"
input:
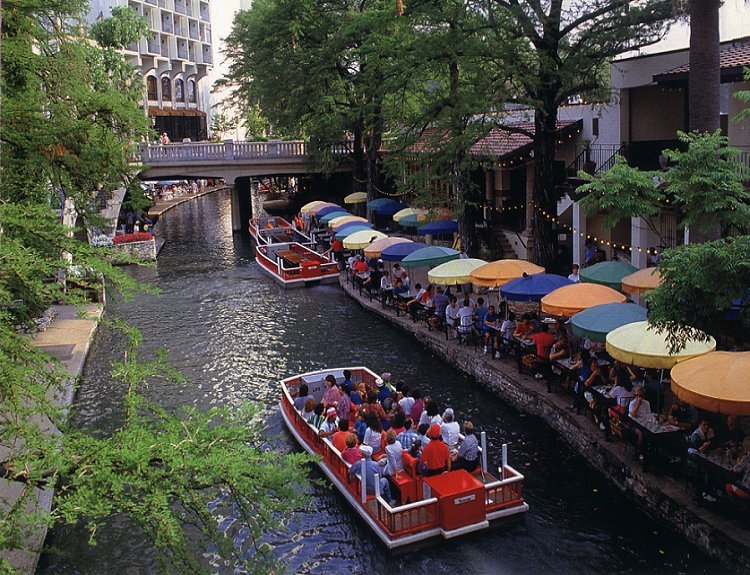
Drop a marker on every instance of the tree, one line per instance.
(222, 123)
(569, 50)
(700, 283)
(71, 114)
(704, 80)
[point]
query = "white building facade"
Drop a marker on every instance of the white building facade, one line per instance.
(174, 62)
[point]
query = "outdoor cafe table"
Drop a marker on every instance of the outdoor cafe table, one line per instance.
(601, 394)
(718, 466)
(660, 436)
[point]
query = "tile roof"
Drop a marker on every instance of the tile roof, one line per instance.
(731, 61)
(500, 143)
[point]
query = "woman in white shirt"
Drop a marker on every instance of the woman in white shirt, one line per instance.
(393, 453)
(449, 429)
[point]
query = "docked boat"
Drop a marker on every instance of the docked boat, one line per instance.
(275, 230)
(445, 505)
(295, 265)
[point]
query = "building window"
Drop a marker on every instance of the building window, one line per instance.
(151, 90)
(166, 90)
(179, 91)
(191, 91)
(595, 127)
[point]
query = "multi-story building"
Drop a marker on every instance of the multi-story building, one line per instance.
(174, 62)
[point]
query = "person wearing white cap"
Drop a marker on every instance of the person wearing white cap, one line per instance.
(371, 468)
(384, 392)
(331, 424)
(449, 429)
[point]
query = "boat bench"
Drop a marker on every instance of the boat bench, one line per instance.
(408, 483)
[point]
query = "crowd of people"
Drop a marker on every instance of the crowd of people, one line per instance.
(380, 427)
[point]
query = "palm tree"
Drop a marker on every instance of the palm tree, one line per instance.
(704, 80)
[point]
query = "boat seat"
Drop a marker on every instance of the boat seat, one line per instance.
(407, 483)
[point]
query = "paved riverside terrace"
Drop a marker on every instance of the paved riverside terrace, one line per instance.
(67, 339)
(663, 496)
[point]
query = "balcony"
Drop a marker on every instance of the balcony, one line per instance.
(180, 6)
(166, 23)
(208, 57)
(204, 12)
(193, 30)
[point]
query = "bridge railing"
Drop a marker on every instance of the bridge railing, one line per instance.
(229, 151)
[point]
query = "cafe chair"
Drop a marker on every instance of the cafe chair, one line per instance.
(466, 332)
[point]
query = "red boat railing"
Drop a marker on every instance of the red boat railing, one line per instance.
(506, 493)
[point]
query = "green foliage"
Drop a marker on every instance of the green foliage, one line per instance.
(700, 283)
(707, 182)
(222, 123)
(121, 29)
(743, 96)
(621, 192)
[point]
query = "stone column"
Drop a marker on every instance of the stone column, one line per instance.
(638, 239)
(236, 218)
(579, 233)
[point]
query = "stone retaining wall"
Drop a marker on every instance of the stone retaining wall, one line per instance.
(664, 497)
(142, 250)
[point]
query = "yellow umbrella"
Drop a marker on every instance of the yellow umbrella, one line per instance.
(336, 222)
(420, 213)
(356, 198)
(716, 382)
(310, 205)
(362, 239)
(374, 249)
(500, 272)
(642, 281)
(636, 344)
(569, 300)
(455, 272)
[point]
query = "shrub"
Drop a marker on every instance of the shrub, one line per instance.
(129, 238)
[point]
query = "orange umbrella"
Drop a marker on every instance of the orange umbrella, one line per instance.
(642, 281)
(569, 300)
(500, 272)
(374, 249)
(336, 222)
(717, 382)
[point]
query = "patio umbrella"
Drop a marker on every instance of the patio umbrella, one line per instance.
(429, 256)
(412, 221)
(374, 249)
(362, 239)
(609, 274)
(356, 198)
(375, 204)
(596, 322)
(320, 207)
(438, 227)
(336, 222)
(389, 209)
(569, 300)
(408, 212)
(636, 344)
(333, 215)
(532, 287)
(642, 281)
(349, 225)
(455, 272)
(347, 231)
(310, 205)
(500, 272)
(398, 252)
(715, 382)
(324, 211)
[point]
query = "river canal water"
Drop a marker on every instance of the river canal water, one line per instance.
(233, 332)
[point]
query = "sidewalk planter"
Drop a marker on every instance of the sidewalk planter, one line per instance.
(140, 245)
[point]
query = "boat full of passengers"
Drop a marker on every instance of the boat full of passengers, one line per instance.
(422, 507)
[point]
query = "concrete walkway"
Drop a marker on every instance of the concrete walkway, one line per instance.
(662, 496)
(67, 339)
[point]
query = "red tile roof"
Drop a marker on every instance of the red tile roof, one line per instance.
(500, 143)
(731, 61)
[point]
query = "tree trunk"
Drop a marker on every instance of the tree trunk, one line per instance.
(359, 173)
(545, 199)
(705, 75)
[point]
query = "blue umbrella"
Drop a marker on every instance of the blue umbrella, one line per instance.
(375, 204)
(346, 231)
(358, 223)
(597, 321)
(328, 210)
(397, 252)
(438, 227)
(410, 221)
(329, 216)
(429, 256)
(532, 287)
(390, 209)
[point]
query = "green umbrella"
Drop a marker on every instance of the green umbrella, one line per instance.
(609, 274)
(429, 256)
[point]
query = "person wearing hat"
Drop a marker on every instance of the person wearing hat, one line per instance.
(436, 457)
(384, 392)
(331, 424)
(371, 469)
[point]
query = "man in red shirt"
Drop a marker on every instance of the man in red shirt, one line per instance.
(339, 438)
(436, 457)
(539, 361)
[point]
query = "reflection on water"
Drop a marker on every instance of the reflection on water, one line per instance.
(234, 333)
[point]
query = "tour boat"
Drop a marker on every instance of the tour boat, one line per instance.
(445, 505)
(295, 265)
(275, 230)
